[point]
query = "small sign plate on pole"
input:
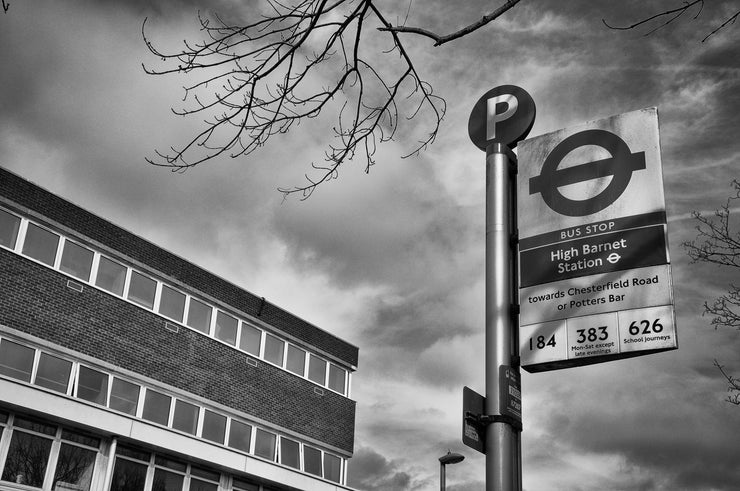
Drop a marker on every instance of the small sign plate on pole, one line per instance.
(595, 280)
(510, 388)
(474, 434)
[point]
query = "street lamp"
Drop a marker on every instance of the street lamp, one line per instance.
(449, 458)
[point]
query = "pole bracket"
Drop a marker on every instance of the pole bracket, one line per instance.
(483, 420)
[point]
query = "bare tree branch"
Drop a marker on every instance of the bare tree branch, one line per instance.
(718, 242)
(442, 39)
(733, 385)
(6, 6)
(666, 17)
(259, 79)
(249, 81)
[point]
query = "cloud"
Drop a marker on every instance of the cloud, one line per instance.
(393, 260)
(370, 471)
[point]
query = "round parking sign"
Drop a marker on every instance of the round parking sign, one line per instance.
(504, 114)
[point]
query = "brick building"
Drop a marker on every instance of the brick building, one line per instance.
(126, 368)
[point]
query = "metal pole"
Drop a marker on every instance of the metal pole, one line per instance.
(442, 477)
(501, 439)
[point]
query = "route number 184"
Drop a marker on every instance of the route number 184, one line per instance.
(541, 342)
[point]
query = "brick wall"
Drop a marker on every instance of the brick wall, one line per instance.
(28, 195)
(36, 300)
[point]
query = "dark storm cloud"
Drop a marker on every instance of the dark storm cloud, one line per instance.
(371, 239)
(417, 323)
(370, 471)
(659, 433)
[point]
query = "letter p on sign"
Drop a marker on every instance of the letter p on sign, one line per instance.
(504, 115)
(509, 102)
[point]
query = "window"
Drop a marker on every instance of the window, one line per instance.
(250, 339)
(28, 456)
(264, 444)
(290, 453)
(92, 385)
(16, 360)
(9, 225)
(317, 370)
(332, 467)
(129, 473)
(164, 477)
(203, 480)
(172, 303)
(111, 276)
(124, 396)
(186, 417)
(274, 348)
(199, 316)
(76, 260)
(240, 485)
(312, 460)
(40, 244)
(165, 480)
(214, 427)
(296, 360)
(337, 378)
(156, 407)
(240, 436)
(141, 290)
(226, 328)
(75, 467)
(53, 373)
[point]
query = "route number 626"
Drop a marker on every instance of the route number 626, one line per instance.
(645, 327)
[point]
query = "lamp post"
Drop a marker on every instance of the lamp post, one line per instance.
(449, 458)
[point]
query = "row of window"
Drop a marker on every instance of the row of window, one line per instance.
(74, 379)
(36, 454)
(84, 264)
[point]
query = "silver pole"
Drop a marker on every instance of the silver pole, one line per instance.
(442, 477)
(501, 440)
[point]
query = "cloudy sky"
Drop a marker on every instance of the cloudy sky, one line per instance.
(393, 260)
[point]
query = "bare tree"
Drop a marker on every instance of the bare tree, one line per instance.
(718, 242)
(664, 18)
(6, 6)
(259, 79)
(256, 79)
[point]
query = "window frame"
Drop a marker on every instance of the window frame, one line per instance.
(31, 374)
(294, 349)
(325, 364)
(219, 328)
(161, 286)
(71, 374)
(72, 273)
(126, 273)
(14, 246)
(268, 336)
(105, 393)
(136, 299)
(243, 325)
(55, 260)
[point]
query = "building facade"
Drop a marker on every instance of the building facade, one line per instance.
(124, 367)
